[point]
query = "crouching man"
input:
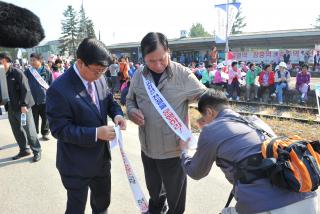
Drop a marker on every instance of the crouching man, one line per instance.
(225, 140)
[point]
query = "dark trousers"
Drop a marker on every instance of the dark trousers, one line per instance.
(262, 90)
(165, 180)
(234, 86)
(40, 110)
(26, 134)
(77, 192)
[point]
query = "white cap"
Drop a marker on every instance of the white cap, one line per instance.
(283, 64)
(220, 65)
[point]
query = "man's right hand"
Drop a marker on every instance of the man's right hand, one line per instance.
(136, 116)
(106, 133)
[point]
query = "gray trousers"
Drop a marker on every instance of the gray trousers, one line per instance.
(25, 135)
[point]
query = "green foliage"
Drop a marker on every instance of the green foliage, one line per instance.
(86, 27)
(197, 30)
(317, 22)
(70, 31)
(239, 23)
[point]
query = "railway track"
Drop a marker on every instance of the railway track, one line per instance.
(311, 110)
(272, 116)
(260, 105)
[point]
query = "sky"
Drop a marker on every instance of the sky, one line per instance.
(129, 20)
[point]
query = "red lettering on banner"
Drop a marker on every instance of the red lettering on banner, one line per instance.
(172, 120)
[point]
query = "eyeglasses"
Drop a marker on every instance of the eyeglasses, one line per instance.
(97, 70)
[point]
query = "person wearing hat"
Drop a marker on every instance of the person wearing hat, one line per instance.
(20, 102)
(282, 79)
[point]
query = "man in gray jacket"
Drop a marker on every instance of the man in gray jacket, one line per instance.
(160, 153)
(226, 141)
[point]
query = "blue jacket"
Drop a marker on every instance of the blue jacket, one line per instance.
(73, 119)
(37, 91)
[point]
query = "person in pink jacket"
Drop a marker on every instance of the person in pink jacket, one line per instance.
(234, 81)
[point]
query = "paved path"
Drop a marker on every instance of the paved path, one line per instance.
(35, 188)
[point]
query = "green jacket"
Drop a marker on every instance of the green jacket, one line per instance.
(250, 77)
(205, 77)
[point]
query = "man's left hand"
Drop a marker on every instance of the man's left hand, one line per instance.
(119, 120)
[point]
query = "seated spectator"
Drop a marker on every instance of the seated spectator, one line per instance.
(212, 69)
(218, 80)
(234, 81)
(250, 82)
(205, 79)
(200, 70)
(303, 83)
(266, 81)
(282, 79)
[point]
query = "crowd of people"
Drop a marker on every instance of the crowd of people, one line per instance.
(259, 80)
(52, 90)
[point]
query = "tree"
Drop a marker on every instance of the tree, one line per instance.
(86, 27)
(69, 31)
(82, 24)
(239, 22)
(90, 29)
(197, 30)
(317, 22)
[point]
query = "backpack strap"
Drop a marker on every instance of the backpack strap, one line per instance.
(244, 120)
(231, 195)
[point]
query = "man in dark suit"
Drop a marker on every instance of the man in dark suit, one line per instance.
(20, 102)
(78, 104)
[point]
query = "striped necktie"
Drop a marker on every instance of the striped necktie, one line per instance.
(92, 94)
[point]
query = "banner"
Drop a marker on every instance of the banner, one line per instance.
(39, 79)
(296, 55)
(138, 195)
(168, 114)
(221, 16)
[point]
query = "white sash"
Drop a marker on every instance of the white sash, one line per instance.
(138, 195)
(168, 114)
(39, 79)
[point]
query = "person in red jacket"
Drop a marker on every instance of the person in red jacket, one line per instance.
(266, 81)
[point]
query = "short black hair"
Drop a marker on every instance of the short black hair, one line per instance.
(92, 51)
(37, 56)
(6, 56)
(213, 99)
(55, 67)
(251, 64)
(151, 42)
(266, 66)
(58, 61)
(233, 63)
(305, 66)
(209, 65)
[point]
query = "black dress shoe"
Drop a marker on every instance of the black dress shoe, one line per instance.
(21, 154)
(37, 157)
